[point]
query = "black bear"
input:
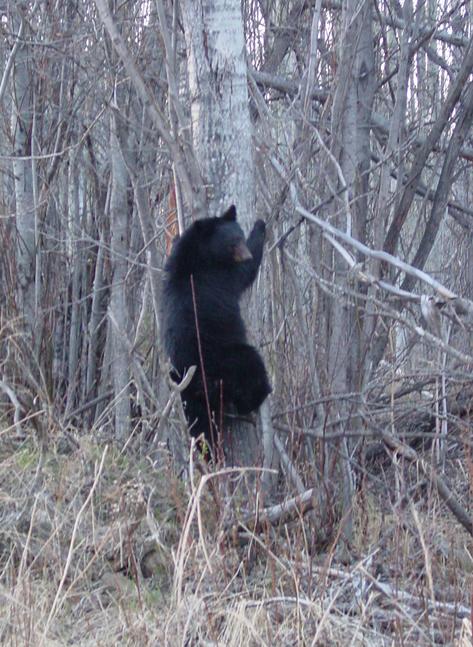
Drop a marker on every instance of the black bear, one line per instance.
(208, 269)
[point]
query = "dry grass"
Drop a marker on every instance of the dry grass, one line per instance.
(81, 524)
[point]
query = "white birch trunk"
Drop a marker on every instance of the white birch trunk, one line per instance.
(221, 131)
(221, 127)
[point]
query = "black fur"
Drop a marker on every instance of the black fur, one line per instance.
(204, 278)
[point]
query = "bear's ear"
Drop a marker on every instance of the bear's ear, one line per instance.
(230, 214)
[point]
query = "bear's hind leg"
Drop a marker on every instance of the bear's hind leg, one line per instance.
(247, 384)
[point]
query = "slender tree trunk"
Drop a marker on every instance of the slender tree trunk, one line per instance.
(77, 265)
(22, 106)
(96, 316)
(351, 148)
(117, 308)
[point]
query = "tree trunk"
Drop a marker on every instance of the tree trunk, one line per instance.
(77, 269)
(221, 127)
(221, 130)
(117, 308)
(22, 119)
(351, 148)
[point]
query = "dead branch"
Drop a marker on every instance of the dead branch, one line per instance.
(444, 491)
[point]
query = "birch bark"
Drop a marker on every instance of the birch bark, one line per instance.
(220, 114)
(221, 131)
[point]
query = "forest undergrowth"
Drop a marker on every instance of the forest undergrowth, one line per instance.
(103, 546)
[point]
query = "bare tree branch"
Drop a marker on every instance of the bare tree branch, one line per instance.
(186, 167)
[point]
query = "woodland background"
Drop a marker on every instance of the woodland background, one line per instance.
(346, 126)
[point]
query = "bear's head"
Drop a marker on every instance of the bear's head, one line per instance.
(209, 243)
(221, 240)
